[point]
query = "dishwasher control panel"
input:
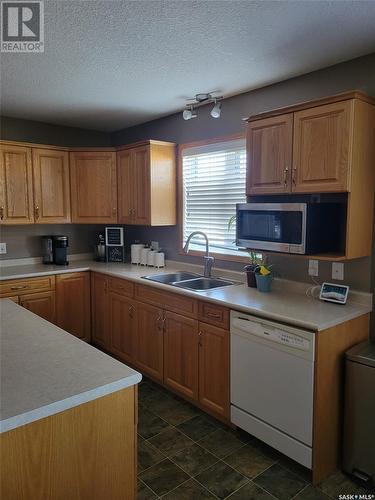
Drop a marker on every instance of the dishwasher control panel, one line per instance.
(291, 339)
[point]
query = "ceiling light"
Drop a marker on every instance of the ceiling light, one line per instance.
(189, 113)
(216, 110)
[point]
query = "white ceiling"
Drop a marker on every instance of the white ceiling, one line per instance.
(113, 64)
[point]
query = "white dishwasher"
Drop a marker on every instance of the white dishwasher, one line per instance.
(272, 384)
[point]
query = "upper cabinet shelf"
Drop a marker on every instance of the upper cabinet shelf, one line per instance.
(324, 146)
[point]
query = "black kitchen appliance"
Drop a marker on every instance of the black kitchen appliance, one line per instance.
(114, 241)
(47, 250)
(55, 250)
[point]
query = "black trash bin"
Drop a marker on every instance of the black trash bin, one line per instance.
(359, 419)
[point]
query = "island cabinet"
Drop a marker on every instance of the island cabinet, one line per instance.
(123, 315)
(100, 332)
(35, 294)
(93, 187)
(146, 183)
(73, 304)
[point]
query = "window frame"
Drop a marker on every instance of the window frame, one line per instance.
(180, 197)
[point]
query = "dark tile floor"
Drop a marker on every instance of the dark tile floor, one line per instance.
(184, 454)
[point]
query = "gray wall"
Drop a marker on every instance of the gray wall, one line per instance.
(14, 129)
(25, 241)
(356, 74)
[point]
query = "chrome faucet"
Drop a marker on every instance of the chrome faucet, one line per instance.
(208, 261)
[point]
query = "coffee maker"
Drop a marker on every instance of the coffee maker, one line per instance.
(55, 250)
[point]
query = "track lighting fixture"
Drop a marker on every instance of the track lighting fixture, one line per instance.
(216, 110)
(200, 100)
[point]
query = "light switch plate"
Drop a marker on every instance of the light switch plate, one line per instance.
(313, 267)
(3, 248)
(337, 271)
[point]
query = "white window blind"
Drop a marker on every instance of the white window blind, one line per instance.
(214, 179)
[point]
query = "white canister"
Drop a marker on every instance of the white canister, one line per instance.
(135, 252)
(151, 258)
(144, 256)
(159, 259)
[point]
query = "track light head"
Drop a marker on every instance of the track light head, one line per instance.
(189, 113)
(216, 110)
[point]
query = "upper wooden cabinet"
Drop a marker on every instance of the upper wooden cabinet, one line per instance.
(321, 148)
(51, 186)
(16, 191)
(93, 187)
(147, 184)
(269, 147)
(309, 148)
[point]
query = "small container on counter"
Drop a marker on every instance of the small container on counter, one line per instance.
(151, 258)
(144, 256)
(159, 259)
(135, 253)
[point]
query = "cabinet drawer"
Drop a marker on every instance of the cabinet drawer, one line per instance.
(171, 301)
(122, 287)
(22, 286)
(213, 314)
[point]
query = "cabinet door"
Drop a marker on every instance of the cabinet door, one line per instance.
(51, 186)
(142, 188)
(321, 150)
(181, 354)
(73, 304)
(42, 304)
(93, 187)
(125, 187)
(100, 310)
(214, 369)
(123, 322)
(16, 192)
(149, 340)
(269, 155)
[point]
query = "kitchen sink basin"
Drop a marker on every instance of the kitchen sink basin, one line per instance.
(170, 278)
(202, 284)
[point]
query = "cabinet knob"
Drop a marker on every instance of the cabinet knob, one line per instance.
(130, 211)
(114, 210)
(36, 211)
(1, 213)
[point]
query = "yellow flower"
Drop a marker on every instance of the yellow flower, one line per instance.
(264, 271)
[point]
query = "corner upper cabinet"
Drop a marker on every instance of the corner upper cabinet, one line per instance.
(146, 184)
(16, 190)
(51, 186)
(269, 153)
(322, 148)
(93, 187)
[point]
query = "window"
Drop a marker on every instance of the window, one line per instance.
(214, 180)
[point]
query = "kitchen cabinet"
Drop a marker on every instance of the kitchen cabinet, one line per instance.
(16, 191)
(123, 326)
(73, 304)
(51, 186)
(181, 354)
(321, 148)
(42, 304)
(214, 369)
(93, 187)
(149, 341)
(269, 151)
(99, 306)
(147, 184)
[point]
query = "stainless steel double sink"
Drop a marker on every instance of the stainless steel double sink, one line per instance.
(190, 281)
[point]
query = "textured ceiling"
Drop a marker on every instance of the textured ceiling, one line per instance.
(112, 64)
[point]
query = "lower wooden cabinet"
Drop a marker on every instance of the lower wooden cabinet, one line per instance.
(100, 332)
(149, 341)
(214, 369)
(73, 304)
(123, 326)
(42, 304)
(181, 354)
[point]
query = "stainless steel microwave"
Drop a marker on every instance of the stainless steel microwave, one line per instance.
(300, 228)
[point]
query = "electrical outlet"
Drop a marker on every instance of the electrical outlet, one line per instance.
(337, 271)
(3, 248)
(313, 267)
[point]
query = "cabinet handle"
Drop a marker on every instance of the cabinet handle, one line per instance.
(131, 311)
(20, 287)
(130, 211)
(158, 320)
(286, 170)
(105, 287)
(114, 210)
(36, 211)
(1, 213)
(200, 334)
(294, 176)
(213, 315)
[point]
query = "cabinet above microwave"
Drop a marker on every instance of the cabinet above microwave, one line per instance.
(322, 146)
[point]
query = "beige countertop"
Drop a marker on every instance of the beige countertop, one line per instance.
(287, 302)
(45, 370)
